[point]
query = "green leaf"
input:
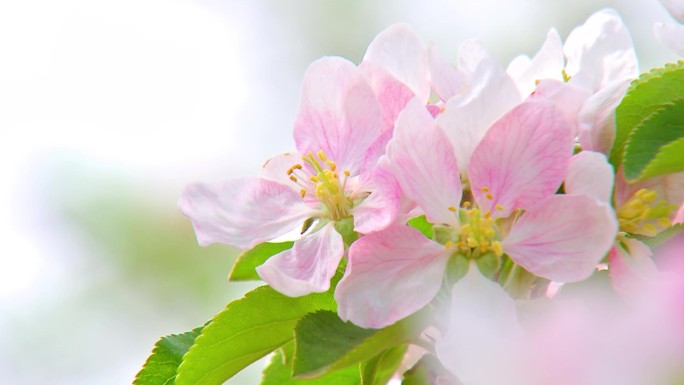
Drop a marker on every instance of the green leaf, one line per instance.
(161, 366)
(278, 372)
(244, 268)
(380, 369)
(428, 371)
(248, 329)
(421, 224)
(323, 342)
(655, 146)
(645, 96)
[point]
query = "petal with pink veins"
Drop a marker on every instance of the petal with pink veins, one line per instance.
(381, 207)
(390, 92)
(522, 159)
(399, 50)
(424, 164)
(242, 212)
(591, 174)
(567, 97)
(631, 267)
(308, 266)
(550, 239)
(391, 274)
(338, 113)
(466, 118)
(483, 334)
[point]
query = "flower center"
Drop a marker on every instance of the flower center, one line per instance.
(642, 214)
(478, 233)
(327, 188)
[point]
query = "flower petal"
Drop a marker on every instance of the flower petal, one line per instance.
(522, 159)
(242, 212)
(390, 92)
(670, 36)
(381, 207)
(596, 118)
(631, 267)
(424, 164)
(391, 274)
(403, 54)
(338, 113)
(550, 239)
(469, 56)
(675, 7)
(276, 169)
(591, 174)
(600, 52)
(567, 97)
(483, 333)
(548, 63)
(308, 266)
(446, 80)
(467, 117)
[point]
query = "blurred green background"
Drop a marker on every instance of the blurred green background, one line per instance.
(109, 108)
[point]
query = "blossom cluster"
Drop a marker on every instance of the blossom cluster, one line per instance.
(471, 189)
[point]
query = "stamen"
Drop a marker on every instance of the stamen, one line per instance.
(452, 208)
(489, 196)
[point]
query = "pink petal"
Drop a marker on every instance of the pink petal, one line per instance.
(675, 7)
(670, 36)
(567, 97)
(679, 217)
(551, 239)
(467, 117)
(391, 274)
(381, 207)
(423, 162)
(631, 267)
(591, 174)
(596, 118)
(600, 52)
(392, 94)
(446, 80)
(399, 50)
(242, 212)
(483, 342)
(308, 266)
(522, 159)
(338, 113)
(546, 64)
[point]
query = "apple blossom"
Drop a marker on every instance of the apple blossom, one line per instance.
(513, 175)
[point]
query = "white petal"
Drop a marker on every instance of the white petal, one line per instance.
(590, 173)
(671, 36)
(675, 7)
(484, 335)
(548, 63)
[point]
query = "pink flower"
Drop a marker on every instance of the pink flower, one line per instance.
(672, 35)
(600, 62)
(330, 180)
(518, 166)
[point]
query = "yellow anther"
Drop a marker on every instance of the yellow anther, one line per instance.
(496, 247)
(488, 214)
(321, 155)
(489, 232)
(566, 77)
(647, 196)
(466, 205)
(346, 172)
(499, 207)
(331, 164)
(649, 229)
(472, 242)
(293, 178)
(489, 196)
(452, 208)
(448, 245)
(465, 229)
(302, 192)
(485, 189)
(664, 222)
